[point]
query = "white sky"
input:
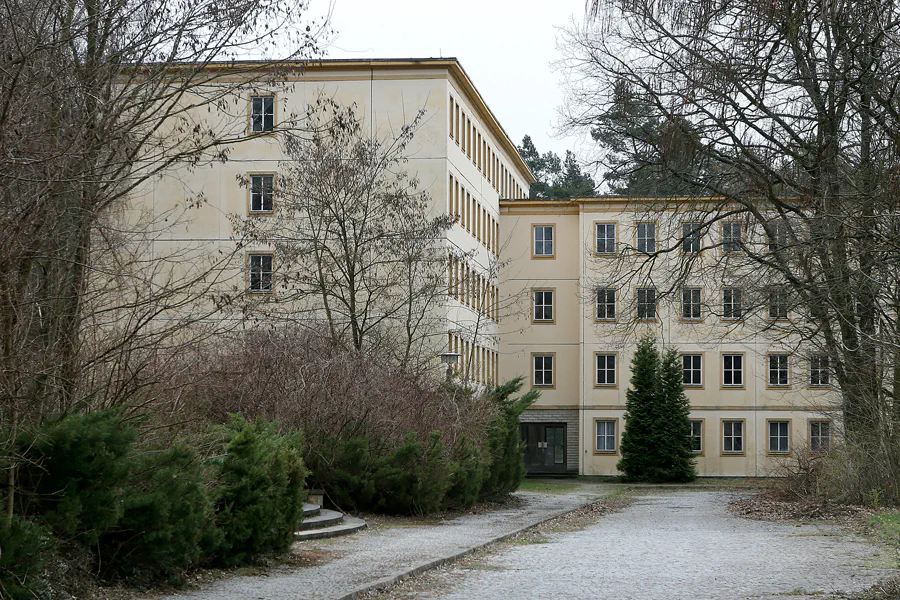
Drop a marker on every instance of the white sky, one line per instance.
(506, 47)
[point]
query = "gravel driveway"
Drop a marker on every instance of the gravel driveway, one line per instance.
(674, 545)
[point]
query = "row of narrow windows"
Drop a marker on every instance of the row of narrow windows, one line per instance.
(473, 289)
(474, 145)
(476, 363)
(472, 216)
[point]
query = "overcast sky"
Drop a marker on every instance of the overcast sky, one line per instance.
(506, 47)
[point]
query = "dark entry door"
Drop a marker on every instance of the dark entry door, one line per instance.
(545, 447)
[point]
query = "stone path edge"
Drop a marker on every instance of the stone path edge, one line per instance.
(439, 562)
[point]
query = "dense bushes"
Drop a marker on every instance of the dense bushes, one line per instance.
(142, 510)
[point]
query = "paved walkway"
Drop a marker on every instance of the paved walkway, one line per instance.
(673, 545)
(376, 554)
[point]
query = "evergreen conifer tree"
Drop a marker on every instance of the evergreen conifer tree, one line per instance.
(641, 417)
(675, 450)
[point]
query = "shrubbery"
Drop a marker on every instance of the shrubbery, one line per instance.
(146, 511)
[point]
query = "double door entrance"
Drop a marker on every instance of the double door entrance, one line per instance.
(545, 447)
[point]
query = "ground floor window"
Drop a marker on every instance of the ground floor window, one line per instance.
(732, 437)
(697, 436)
(261, 273)
(779, 437)
(819, 436)
(606, 435)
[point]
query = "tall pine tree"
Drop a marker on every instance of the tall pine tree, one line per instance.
(655, 442)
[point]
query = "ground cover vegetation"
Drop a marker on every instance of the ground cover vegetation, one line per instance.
(782, 118)
(656, 440)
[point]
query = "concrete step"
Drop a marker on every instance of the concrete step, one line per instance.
(325, 518)
(348, 526)
(310, 510)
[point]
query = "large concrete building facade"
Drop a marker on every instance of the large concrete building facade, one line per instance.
(460, 155)
(584, 279)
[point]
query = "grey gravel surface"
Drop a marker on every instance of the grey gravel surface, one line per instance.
(673, 546)
(377, 553)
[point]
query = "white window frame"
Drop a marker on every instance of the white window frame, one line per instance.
(691, 303)
(262, 113)
(259, 192)
(779, 432)
(778, 368)
(543, 305)
(730, 244)
(819, 371)
(642, 304)
(696, 434)
(607, 293)
(608, 242)
(256, 268)
(693, 364)
(816, 433)
(544, 370)
(646, 237)
(739, 371)
(732, 434)
(778, 304)
(606, 364)
(732, 300)
(543, 247)
(608, 436)
(691, 237)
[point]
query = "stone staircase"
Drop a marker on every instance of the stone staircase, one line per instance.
(319, 523)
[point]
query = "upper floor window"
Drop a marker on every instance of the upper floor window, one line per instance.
(690, 238)
(542, 370)
(606, 238)
(779, 236)
(779, 370)
(646, 304)
(262, 114)
(261, 275)
(606, 370)
(606, 304)
(692, 370)
(731, 303)
(778, 304)
(819, 374)
(731, 236)
(262, 193)
(543, 306)
(543, 240)
(646, 237)
(690, 304)
(732, 370)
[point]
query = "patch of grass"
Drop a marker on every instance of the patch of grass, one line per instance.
(887, 525)
(548, 486)
(802, 592)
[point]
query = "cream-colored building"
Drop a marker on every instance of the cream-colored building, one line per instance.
(460, 155)
(584, 279)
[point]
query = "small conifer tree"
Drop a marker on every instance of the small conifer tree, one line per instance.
(655, 442)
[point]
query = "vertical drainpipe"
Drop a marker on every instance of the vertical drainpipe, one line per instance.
(582, 438)
(371, 102)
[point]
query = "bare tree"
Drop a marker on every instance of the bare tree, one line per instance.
(781, 117)
(356, 244)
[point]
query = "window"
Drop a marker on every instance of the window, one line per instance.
(690, 304)
(779, 437)
(732, 437)
(731, 303)
(606, 370)
(690, 238)
(543, 306)
(819, 436)
(692, 369)
(731, 237)
(262, 114)
(606, 304)
(779, 370)
(543, 370)
(646, 304)
(696, 437)
(261, 276)
(778, 304)
(819, 374)
(606, 436)
(732, 370)
(262, 193)
(543, 240)
(778, 236)
(606, 238)
(646, 237)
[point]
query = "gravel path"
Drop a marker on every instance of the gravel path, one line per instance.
(378, 553)
(672, 546)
